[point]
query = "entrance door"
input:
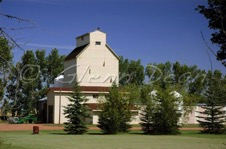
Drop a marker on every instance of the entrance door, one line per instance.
(50, 114)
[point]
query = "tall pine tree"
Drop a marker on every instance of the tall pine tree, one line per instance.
(76, 112)
(213, 116)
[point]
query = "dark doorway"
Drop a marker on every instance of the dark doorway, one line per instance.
(50, 114)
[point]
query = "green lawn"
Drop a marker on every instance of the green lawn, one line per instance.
(95, 140)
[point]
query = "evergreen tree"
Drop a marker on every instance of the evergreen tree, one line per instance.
(116, 113)
(147, 119)
(161, 114)
(213, 116)
(146, 115)
(213, 120)
(76, 112)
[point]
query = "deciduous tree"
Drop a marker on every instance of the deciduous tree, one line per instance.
(31, 83)
(130, 72)
(13, 89)
(5, 63)
(54, 66)
(215, 13)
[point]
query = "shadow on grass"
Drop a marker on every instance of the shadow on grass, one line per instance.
(132, 132)
(189, 132)
(58, 133)
(95, 133)
(90, 132)
(137, 133)
(66, 134)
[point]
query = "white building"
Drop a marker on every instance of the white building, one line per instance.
(96, 67)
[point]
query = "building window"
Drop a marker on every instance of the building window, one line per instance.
(95, 96)
(82, 38)
(98, 43)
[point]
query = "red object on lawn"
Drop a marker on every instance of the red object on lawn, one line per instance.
(35, 130)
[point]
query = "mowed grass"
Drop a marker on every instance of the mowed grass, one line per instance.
(95, 140)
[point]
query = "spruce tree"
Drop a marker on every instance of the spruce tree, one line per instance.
(116, 113)
(161, 114)
(76, 112)
(146, 114)
(213, 120)
(147, 119)
(213, 117)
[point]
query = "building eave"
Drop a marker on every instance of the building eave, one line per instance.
(112, 51)
(84, 89)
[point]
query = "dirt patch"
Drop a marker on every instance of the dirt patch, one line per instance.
(14, 127)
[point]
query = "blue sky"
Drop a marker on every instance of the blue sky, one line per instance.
(150, 30)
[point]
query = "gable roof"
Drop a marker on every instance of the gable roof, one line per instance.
(112, 51)
(98, 29)
(78, 50)
(75, 52)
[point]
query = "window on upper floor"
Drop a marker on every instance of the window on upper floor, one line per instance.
(82, 38)
(98, 43)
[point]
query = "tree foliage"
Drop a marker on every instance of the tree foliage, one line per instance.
(130, 72)
(13, 89)
(54, 66)
(161, 114)
(213, 117)
(76, 112)
(116, 113)
(29, 80)
(5, 58)
(215, 13)
(31, 83)
(5, 64)
(183, 78)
